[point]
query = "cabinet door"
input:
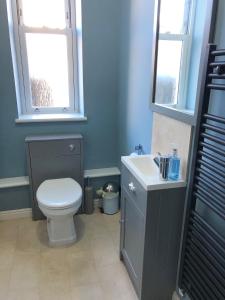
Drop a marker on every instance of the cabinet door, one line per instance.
(133, 223)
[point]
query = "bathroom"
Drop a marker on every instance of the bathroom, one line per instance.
(114, 51)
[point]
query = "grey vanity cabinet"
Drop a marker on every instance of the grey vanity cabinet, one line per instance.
(150, 236)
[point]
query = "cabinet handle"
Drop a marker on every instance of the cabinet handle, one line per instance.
(71, 147)
(131, 187)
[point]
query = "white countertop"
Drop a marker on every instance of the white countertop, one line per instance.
(146, 172)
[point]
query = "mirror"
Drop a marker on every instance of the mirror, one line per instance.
(183, 30)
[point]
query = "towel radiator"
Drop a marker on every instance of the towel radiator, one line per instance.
(202, 260)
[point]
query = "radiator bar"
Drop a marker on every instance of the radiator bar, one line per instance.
(214, 177)
(194, 238)
(216, 86)
(211, 167)
(217, 63)
(214, 207)
(201, 280)
(201, 234)
(212, 148)
(205, 225)
(208, 235)
(216, 76)
(216, 278)
(214, 128)
(191, 292)
(213, 197)
(214, 118)
(195, 261)
(212, 158)
(192, 278)
(211, 276)
(204, 182)
(219, 52)
(213, 138)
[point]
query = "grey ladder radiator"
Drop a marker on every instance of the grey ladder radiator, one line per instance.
(202, 261)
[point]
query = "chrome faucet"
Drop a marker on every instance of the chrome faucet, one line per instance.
(156, 159)
(162, 161)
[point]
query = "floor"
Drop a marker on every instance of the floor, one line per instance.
(88, 270)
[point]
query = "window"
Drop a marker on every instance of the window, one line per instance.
(174, 46)
(48, 56)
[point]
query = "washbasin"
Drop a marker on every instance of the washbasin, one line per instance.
(144, 164)
(146, 172)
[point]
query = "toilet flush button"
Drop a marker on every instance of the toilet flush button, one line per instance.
(71, 147)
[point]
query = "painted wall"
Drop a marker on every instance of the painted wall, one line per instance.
(117, 38)
(101, 20)
(135, 117)
(101, 24)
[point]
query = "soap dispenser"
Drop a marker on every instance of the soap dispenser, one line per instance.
(174, 167)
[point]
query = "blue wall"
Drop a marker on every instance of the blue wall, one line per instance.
(101, 20)
(117, 42)
(117, 49)
(101, 27)
(135, 75)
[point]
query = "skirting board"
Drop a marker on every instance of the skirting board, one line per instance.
(15, 214)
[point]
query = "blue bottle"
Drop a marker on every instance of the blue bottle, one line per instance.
(174, 167)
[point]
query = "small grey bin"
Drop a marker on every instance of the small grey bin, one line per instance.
(110, 203)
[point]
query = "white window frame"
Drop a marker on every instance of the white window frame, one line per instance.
(73, 33)
(186, 39)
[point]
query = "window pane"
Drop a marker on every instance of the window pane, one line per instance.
(44, 13)
(168, 71)
(48, 69)
(174, 16)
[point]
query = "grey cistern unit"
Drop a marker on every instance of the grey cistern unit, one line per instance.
(52, 157)
(151, 224)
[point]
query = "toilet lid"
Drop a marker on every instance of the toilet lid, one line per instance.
(59, 193)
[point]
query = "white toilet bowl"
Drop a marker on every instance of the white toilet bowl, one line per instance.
(59, 200)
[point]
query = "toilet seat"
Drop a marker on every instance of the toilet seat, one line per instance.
(59, 193)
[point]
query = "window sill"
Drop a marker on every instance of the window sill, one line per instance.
(50, 118)
(183, 115)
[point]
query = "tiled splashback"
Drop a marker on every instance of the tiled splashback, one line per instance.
(166, 131)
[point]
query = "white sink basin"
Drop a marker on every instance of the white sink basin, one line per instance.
(144, 164)
(146, 172)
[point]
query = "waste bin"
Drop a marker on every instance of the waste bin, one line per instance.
(110, 203)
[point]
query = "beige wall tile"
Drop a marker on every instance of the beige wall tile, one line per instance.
(166, 131)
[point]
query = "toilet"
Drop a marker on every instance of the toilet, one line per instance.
(59, 200)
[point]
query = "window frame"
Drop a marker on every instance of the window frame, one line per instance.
(208, 33)
(20, 62)
(186, 39)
